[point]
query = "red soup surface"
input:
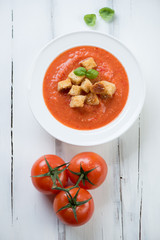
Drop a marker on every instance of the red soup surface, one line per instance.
(88, 117)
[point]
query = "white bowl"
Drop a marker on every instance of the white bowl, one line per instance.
(86, 137)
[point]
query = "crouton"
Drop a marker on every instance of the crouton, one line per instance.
(75, 79)
(77, 101)
(88, 63)
(86, 85)
(75, 90)
(65, 84)
(104, 88)
(92, 99)
(98, 88)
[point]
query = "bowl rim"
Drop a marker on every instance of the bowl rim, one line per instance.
(132, 118)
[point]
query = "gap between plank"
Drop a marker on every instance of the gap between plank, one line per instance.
(139, 188)
(12, 158)
(140, 216)
(120, 190)
(139, 146)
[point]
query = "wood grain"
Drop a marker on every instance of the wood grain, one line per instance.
(31, 210)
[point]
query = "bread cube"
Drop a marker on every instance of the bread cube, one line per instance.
(98, 88)
(77, 101)
(86, 85)
(65, 84)
(88, 63)
(75, 90)
(104, 88)
(75, 79)
(110, 89)
(92, 99)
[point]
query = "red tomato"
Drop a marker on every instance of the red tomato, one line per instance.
(44, 184)
(92, 166)
(83, 212)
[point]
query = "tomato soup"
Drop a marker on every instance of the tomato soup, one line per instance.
(88, 117)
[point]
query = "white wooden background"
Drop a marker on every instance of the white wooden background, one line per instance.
(128, 203)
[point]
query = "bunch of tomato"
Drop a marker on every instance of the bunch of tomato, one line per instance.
(73, 204)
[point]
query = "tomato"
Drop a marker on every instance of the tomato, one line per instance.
(44, 184)
(74, 212)
(90, 167)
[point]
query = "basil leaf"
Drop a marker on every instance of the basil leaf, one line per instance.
(90, 19)
(106, 13)
(81, 71)
(92, 73)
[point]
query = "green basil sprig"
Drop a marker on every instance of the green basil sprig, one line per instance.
(106, 13)
(92, 73)
(90, 19)
(81, 71)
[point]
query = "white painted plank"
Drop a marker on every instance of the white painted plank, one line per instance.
(147, 49)
(106, 222)
(5, 120)
(33, 218)
(142, 207)
(129, 145)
